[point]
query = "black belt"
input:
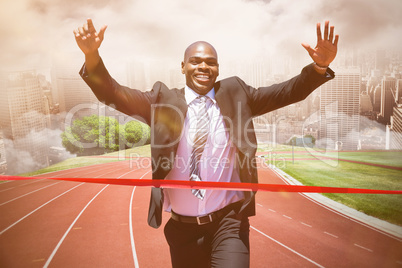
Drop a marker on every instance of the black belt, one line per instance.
(201, 220)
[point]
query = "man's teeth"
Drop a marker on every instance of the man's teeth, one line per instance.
(202, 76)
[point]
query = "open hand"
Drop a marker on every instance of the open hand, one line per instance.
(88, 39)
(327, 46)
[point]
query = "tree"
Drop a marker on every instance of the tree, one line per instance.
(311, 137)
(306, 140)
(136, 134)
(94, 135)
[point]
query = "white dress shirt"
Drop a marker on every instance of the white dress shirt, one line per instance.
(217, 163)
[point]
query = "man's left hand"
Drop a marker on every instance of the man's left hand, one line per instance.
(327, 46)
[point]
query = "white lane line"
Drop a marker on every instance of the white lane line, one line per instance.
(33, 211)
(369, 250)
(79, 215)
(28, 193)
(353, 219)
(259, 205)
(305, 224)
(287, 217)
(271, 210)
(72, 170)
(135, 258)
(65, 172)
(20, 185)
(69, 228)
(331, 235)
(288, 248)
(112, 169)
(338, 212)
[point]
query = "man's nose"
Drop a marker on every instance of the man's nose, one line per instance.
(203, 65)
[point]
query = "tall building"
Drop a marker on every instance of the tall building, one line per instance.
(396, 119)
(23, 114)
(388, 90)
(398, 93)
(69, 90)
(396, 128)
(339, 110)
(3, 159)
(376, 99)
(366, 107)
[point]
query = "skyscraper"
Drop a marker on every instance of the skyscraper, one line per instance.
(376, 98)
(388, 92)
(396, 127)
(398, 93)
(339, 110)
(23, 115)
(396, 118)
(3, 160)
(69, 90)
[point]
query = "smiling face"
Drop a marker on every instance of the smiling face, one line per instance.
(200, 66)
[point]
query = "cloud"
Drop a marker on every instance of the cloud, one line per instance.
(366, 23)
(19, 161)
(31, 151)
(22, 161)
(34, 30)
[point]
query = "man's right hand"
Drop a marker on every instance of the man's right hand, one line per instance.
(89, 41)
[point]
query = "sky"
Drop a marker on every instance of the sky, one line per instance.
(34, 32)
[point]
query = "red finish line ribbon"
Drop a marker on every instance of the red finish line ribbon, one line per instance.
(238, 186)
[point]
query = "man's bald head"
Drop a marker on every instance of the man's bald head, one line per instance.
(197, 44)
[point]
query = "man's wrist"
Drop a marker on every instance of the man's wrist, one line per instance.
(320, 69)
(91, 60)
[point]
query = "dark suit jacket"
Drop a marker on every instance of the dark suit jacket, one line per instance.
(165, 109)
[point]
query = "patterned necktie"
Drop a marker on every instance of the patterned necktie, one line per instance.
(200, 139)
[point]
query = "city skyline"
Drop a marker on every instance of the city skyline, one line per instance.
(67, 95)
(34, 32)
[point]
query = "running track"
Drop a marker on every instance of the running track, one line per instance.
(66, 224)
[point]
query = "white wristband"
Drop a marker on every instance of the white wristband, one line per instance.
(320, 67)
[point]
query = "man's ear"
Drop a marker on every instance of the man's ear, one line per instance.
(182, 67)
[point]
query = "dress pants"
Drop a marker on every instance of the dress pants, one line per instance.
(222, 243)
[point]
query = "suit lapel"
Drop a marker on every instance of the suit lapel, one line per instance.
(223, 105)
(181, 101)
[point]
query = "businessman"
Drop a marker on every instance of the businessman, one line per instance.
(204, 132)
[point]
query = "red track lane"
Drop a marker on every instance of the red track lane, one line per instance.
(89, 226)
(150, 243)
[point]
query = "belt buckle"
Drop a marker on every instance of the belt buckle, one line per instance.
(202, 223)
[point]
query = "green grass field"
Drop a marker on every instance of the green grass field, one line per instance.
(353, 175)
(312, 173)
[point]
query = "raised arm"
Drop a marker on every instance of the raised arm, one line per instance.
(325, 50)
(89, 41)
(130, 101)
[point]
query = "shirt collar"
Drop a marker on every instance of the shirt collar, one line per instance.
(191, 95)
